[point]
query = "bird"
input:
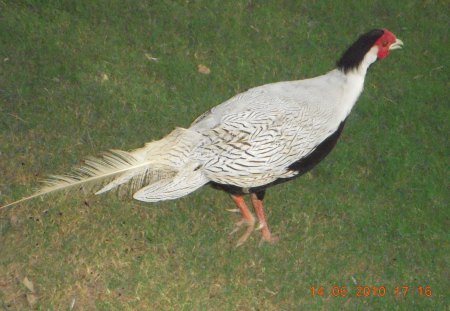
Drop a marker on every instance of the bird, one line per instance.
(259, 138)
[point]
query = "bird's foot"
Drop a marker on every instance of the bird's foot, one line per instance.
(250, 223)
(266, 234)
(238, 225)
(271, 240)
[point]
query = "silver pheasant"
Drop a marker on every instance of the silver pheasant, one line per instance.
(259, 138)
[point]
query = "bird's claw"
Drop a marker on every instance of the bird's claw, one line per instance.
(233, 210)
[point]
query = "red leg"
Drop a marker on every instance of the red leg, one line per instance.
(247, 219)
(258, 205)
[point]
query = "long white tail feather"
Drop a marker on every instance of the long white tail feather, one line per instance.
(169, 155)
(186, 181)
(161, 160)
(139, 177)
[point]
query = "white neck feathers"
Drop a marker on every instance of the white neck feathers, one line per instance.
(354, 83)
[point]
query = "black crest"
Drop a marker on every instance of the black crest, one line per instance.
(355, 53)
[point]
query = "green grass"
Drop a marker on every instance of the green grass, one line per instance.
(375, 211)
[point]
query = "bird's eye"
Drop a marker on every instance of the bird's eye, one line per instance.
(385, 43)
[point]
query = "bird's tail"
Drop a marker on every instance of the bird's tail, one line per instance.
(163, 169)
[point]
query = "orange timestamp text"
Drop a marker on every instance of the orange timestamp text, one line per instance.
(370, 291)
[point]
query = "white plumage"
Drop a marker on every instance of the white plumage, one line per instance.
(265, 135)
(252, 139)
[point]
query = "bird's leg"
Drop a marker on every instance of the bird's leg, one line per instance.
(247, 219)
(257, 201)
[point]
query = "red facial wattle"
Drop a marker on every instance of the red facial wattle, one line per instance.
(384, 43)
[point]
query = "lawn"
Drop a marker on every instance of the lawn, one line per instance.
(81, 77)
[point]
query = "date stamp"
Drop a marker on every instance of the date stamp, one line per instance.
(370, 291)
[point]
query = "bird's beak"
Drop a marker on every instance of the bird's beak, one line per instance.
(398, 44)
